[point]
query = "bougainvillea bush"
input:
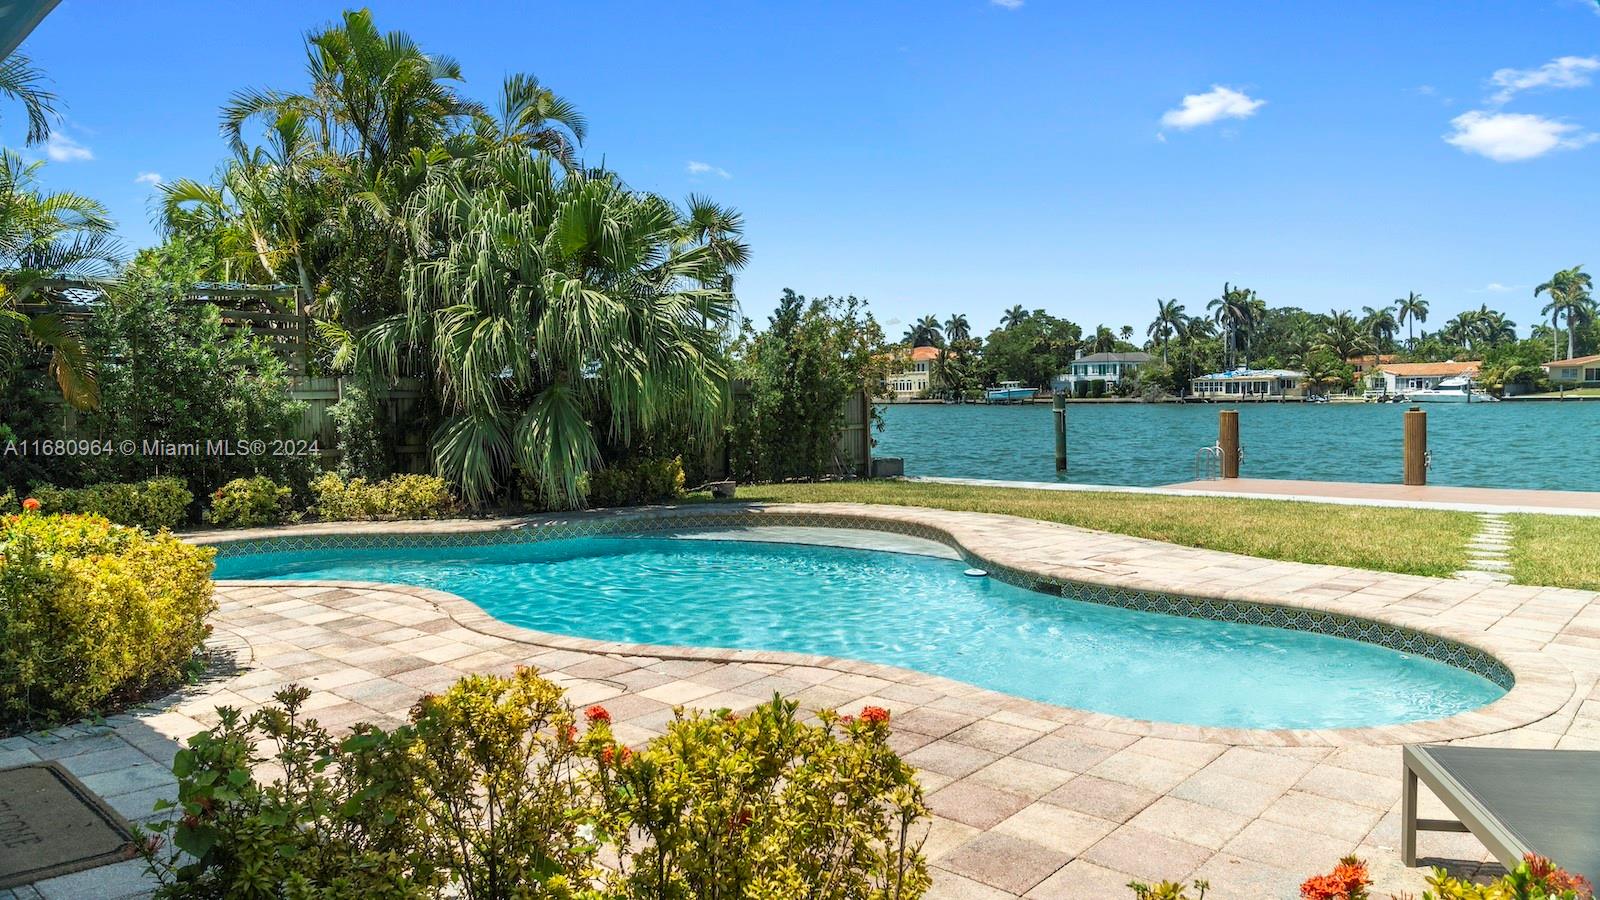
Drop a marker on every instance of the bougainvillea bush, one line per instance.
(496, 789)
(93, 614)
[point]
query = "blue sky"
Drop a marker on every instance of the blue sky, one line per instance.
(967, 155)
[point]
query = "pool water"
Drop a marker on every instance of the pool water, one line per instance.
(918, 612)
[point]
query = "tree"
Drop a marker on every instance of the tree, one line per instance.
(1569, 295)
(20, 81)
(1412, 309)
(956, 369)
(1168, 323)
(46, 235)
(924, 333)
(1104, 341)
(1236, 310)
(1343, 336)
(1034, 350)
(956, 328)
(1125, 332)
(562, 313)
(1491, 328)
(1016, 315)
(1380, 326)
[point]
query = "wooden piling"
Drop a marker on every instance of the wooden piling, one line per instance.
(1228, 441)
(1415, 447)
(1061, 430)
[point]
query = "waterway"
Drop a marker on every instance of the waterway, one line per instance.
(1526, 444)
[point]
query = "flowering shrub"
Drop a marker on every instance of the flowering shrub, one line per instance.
(396, 497)
(1167, 890)
(153, 504)
(1535, 878)
(1347, 881)
(492, 791)
(250, 503)
(92, 614)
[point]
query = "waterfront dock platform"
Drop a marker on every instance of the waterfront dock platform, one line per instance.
(1464, 499)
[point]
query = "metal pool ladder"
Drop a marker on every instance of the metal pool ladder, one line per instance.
(1208, 463)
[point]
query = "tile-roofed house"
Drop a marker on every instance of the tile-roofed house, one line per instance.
(1581, 371)
(911, 373)
(1398, 378)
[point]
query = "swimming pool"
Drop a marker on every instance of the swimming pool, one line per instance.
(917, 612)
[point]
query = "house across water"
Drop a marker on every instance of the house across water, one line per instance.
(1249, 384)
(1583, 371)
(911, 373)
(1111, 368)
(1395, 379)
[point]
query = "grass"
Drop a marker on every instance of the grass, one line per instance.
(1559, 551)
(1570, 392)
(1412, 541)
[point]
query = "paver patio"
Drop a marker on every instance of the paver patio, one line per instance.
(1030, 799)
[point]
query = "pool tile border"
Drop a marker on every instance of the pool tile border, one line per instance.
(1536, 687)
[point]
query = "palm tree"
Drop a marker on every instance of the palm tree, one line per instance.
(1491, 328)
(560, 311)
(924, 333)
(531, 115)
(43, 236)
(1569, 296)
(1412, 309)
(1169, 322)
(956, 328)
(1016, 315)
(1381, 327)
(1343, 336)
(1104, 340)
(20, 81)
(1235, 311)
(1460, 329)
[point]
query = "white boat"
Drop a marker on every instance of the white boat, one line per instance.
(1457, 389)
(1008, 392)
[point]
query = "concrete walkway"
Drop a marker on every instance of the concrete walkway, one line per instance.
(1344, 493)
(1030, 799)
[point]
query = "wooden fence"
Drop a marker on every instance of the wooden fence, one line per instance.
(399, 405)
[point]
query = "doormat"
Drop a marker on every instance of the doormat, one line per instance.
(50, 824)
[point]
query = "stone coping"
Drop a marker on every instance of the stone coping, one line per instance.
(1071, 559)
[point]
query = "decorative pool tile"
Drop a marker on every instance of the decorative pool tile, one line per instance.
(1394, 637)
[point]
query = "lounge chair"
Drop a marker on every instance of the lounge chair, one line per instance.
(1515, 801)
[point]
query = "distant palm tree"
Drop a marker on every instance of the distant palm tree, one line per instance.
(1168, 324)
(1412, 309)
(1343, 336)
(1569, 295)
(1491, 328)
(1459, 330)
(1104, 340)
(1016, 315)
(925, 333)
(956, 328)
(1235, 311)
(1381, 326)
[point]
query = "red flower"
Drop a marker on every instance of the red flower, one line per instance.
(31, 504)
(740, 819)
(1556, 879)
(875, 715)
(607, 754)
(569, 733)
(597, 713)
(1347, 881)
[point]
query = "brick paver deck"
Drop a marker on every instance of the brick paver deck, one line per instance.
(1030, 799)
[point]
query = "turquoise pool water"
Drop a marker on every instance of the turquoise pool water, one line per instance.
(920, 613)
(1519, 444)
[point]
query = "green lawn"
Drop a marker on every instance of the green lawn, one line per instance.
(1570, 392)
(1419, 542)
(1561, 551)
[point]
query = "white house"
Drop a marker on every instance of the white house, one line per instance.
(1399, 378)
(1249, 384)
(1108, 367)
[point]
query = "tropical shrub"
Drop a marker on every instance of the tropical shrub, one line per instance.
(492, 791)
(1535, 878)
(396, 497)
(1080, 389)
(1097, 388)
(92, 614)
(152, 504)
(250, 503)
(813, 357)
(630, 484)
(359, 431)
(1168, 890)
(1347, 881)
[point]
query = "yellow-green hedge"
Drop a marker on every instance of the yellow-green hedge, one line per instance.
(152, 504)
(93, 614)
(395, 497)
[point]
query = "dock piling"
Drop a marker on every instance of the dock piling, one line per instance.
(1060, 404)
(1228, 442)
(1415, 446)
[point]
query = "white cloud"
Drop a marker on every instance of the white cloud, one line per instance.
(1495, 287)
(150, 178)
(1213, 106)
(1008, 4)
(699, 168)
(1513, 137)
(61, 148)
(1560, 73)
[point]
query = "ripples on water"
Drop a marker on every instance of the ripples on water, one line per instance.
(1527, 444)
(920, 613)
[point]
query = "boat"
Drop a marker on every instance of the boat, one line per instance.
(1456, 389)
(1009, 392)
